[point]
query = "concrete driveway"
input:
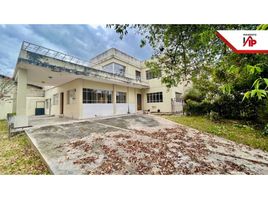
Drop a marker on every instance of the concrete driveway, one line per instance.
(141, 144)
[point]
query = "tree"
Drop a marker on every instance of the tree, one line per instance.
(221, 88)
(260, 85)
(181, 51)
(220, 77)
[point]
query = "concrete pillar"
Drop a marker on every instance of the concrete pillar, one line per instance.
(114, 99)
(21, 119)
(79, 100)
(127, 98)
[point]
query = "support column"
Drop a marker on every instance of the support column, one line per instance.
(21, 119)
(79, 93)
(128, 109)
(114, 99)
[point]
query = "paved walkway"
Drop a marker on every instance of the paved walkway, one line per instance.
(141, 144)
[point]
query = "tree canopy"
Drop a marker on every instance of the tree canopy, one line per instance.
(233, 85)
(181, 51)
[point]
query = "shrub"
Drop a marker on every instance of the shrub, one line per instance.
(263, 113)
(197, 108)
(193, 94)
(214, 116)
(265, 130)
(228, 106)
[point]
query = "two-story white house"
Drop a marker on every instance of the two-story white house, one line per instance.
(111, 83)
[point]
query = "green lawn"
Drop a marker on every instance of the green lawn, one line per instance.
(17, 156)
(229, 129)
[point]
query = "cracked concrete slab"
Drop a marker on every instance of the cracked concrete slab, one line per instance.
(141, 144)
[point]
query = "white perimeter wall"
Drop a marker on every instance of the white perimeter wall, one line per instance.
(5, 107)
(31, 104)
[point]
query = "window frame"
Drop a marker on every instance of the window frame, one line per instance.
(113, 69)
(178, 99)
(138, 75)
(100, 96)
(155, 97)
(46, 103)
(121, 97)
(71, 96)
(150, 75)
(55, 100)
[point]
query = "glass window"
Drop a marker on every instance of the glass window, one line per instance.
(151, 75)
(55, 99)
(96, 96)
(71, 96)
(46, 103)
(155, 97)
(115, 68)
(108, 68)
(119, 69)
(138, 75)
(178, 97)
(121, 97)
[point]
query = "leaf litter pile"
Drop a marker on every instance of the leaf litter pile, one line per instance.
(165, 151)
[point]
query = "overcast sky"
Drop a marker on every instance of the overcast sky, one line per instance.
(83, 41)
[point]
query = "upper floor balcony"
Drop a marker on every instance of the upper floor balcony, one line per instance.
(34, 56)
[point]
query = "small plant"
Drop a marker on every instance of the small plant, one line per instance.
(265, 130)
(214, 116)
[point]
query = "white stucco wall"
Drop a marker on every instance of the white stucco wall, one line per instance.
(8, 105)
(5, 107)
(122, 108)
(96, 109)
(31, 104)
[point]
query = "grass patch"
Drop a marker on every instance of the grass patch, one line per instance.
(229, 129)
(17, 156)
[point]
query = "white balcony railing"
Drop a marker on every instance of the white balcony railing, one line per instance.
(27, 46)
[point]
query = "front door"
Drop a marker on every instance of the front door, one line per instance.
(138, 101)
(61, 103)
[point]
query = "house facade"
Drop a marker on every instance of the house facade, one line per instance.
(111, 83)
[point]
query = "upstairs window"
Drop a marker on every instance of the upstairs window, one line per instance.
(115, 68)
(138, 75)
(121, 97)
(151, 75)
(156, 97)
